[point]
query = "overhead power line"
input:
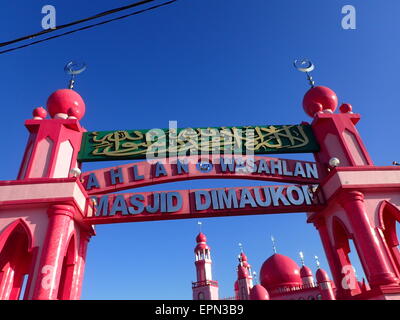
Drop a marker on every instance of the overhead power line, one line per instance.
(96, 16)
(82, 28)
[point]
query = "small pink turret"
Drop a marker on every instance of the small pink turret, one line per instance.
(53, 145)
(306, 273)
(306, 276)
(325, 285)
(335, 132)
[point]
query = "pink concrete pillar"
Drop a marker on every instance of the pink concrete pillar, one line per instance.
(371, 255)
(48, 280)
(76, 287)
(332, 256)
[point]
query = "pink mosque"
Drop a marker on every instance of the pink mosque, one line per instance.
(280, 277)
(46, 225)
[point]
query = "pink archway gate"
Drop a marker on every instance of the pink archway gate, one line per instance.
(55, 207)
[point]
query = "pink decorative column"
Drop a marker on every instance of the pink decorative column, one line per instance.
(371, 255)
(332, 258)
(47, 282)
(80, 266)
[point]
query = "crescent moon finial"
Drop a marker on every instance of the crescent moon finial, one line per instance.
(74, 68)
(305, 65)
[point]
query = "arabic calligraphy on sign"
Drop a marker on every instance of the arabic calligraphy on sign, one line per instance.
(190, 141)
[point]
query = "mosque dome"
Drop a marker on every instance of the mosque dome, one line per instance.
(201, 242)
(280, 271)
(322, 276)
(305, 272)
(243, 256)
(258, 292)
(201, 237)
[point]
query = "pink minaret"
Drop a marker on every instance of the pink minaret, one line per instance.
(245, 279)
(204, 288)
(243, 283)
(245, 263)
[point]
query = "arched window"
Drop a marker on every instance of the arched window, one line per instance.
(319, 296)
(389, 216)
(15, 261)
(200, 296)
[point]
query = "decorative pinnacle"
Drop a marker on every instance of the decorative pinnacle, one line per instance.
(74, 68)
(317, 261)
(199, 223)
(273, 244)
(240, 246)
(255, 277)
(301, 254)
(305, 65)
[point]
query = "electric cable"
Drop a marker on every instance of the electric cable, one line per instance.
(96, 16)
(79, 29)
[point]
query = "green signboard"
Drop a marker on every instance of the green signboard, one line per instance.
(144, 144)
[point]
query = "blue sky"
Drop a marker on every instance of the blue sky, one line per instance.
(202, 63)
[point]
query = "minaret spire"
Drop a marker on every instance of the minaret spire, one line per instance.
(199, 223)
(301, 254)
(273, 244)
(317, 261)
(255, 282)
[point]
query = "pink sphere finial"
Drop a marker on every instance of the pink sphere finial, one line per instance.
(39, 113)
(60, 101)
(319, 99)
(346, 108)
